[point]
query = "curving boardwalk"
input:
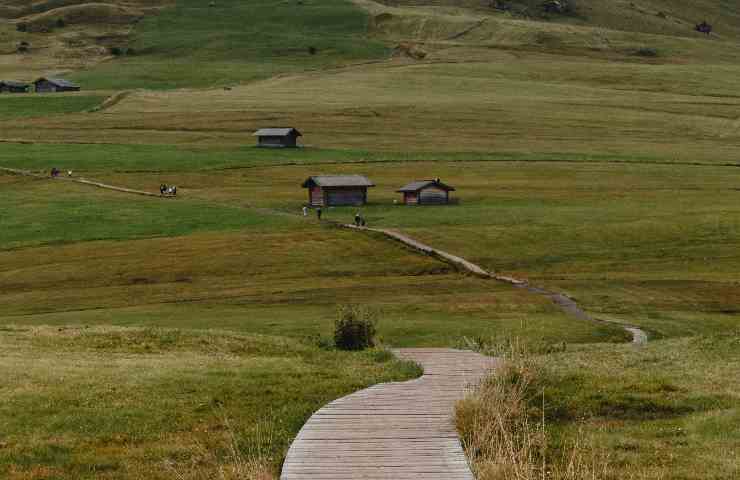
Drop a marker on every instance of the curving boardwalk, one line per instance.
(400, 431)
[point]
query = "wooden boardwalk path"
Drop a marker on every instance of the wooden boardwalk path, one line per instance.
(393, 431)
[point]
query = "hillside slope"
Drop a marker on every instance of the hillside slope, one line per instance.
(666, 17)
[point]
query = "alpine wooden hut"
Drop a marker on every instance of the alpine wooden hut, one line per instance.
(335, 190)
(47, 84)
(426, 192)
(277, 137)
(11, 86)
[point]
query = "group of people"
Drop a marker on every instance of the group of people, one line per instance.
(167, 190)
(359, 219)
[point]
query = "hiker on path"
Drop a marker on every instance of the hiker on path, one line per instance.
(162, 189)
(362, 221)
(305, 211)
(358, 219)
(318, 213)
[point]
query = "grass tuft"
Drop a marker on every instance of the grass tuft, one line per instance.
(506, 435)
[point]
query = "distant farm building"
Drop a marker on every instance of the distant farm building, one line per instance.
(9, 86)
(336, 190)
(277, 137)
(43, 85)
(426, 192)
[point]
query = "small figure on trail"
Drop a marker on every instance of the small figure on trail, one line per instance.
(69, 173)
(54, 172)
(358, 219)
(162, 189)
(174, 191)
(305, 211)
(362, 221)
(704, 27)
(318, 213)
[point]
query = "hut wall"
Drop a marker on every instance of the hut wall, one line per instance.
(410, 198)
(433, 195)
(316, 195)
(346, 196)
(277, 142)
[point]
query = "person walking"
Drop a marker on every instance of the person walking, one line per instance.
(305, 211)
(358, 219)
(318, 213)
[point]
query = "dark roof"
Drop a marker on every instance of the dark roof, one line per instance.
(338, 181)
(12, 83)
(422, 184)
(277, 132)
(60, 82)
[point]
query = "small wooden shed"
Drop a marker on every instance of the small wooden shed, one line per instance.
(277, 137)
(10, 86)
(337, 190)
(426, 192)
(44, 85)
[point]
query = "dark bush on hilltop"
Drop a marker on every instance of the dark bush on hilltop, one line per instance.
(60, 23)
(22, 27)
(647, 52)
(355, 328)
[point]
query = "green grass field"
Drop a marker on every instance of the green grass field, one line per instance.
(192, 44)
(106, 402)
(32, 105)
(168, 338)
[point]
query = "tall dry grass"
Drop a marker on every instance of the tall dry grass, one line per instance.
(232, 463)
(504, 429)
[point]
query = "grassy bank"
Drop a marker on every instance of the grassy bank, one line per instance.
(32, 105)
(108, 402)
(192, 44)
(660, 411)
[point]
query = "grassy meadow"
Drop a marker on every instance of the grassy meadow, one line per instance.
(108, 402)
(25, 106)
(665, 410)
(594, 154)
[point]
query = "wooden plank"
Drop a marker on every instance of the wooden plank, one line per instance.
(399, 430)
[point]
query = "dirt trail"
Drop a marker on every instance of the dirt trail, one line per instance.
(84, 181)
(567, 304)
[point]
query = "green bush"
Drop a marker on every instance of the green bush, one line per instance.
(355, 328)
(647, 52)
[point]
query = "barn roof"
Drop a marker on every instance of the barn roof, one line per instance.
(60, 82)
(422, 184)
(277, 132)
(13, 83)
(338, 181)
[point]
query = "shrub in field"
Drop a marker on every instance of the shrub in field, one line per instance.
(647, 52)
(21, 27)
(355, 328)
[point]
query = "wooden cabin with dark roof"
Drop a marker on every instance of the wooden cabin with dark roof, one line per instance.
(49, 85)
(337, 190)
(10, 86)
(426, 192)
(277, 137)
